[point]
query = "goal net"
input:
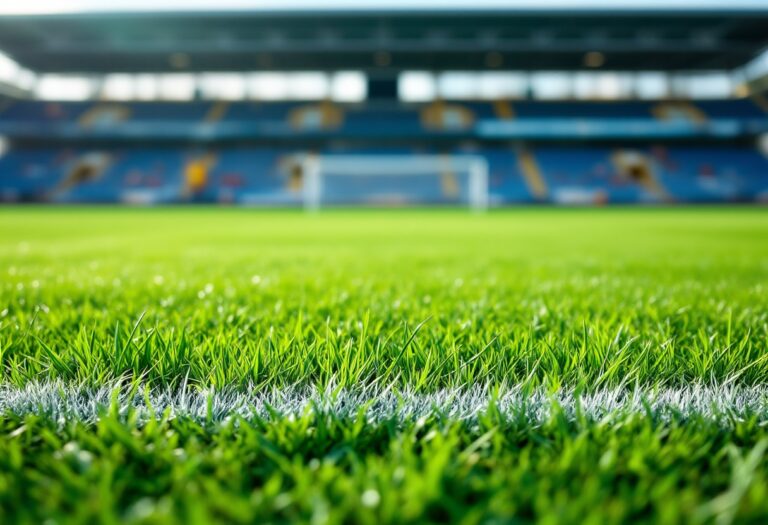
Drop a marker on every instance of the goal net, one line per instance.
(395, 180)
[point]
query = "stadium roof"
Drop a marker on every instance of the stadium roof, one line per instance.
(75, 6)
(371, 38)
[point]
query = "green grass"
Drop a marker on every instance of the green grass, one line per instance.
(179, 471)
(584, 300)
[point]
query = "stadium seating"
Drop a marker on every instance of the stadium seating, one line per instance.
(586, 175)
(741, 108)
(32, 111)
(263, 176)
(260, 167)
(251, 176)
(28, 175)
(713, 174)
(382, 113)
(582, 110)
(506, 182)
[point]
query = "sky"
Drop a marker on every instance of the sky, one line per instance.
(74, 6)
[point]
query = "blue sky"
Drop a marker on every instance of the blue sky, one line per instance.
(63, 6)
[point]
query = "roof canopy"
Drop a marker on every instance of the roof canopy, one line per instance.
(371, 40)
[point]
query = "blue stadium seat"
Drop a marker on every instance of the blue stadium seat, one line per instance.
(262, 174)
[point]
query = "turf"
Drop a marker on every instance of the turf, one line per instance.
(432, 308)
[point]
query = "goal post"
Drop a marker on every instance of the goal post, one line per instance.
(402, 179)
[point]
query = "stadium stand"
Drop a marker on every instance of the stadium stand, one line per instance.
(575, 173)
(561, 151)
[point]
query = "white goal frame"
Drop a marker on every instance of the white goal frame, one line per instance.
(315, 166)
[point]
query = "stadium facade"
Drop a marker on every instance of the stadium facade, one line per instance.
(586, 107)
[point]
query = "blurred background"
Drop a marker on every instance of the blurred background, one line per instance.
(480, 104)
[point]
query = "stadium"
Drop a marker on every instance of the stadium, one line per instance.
(397, 262)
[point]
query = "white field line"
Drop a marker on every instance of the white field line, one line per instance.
(64, 401)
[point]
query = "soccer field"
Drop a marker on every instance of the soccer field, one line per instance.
(189, 365)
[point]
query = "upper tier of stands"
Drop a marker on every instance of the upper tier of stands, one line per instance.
(236, 111)
(210, 121)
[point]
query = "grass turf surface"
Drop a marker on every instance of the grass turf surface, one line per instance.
(418, 302)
